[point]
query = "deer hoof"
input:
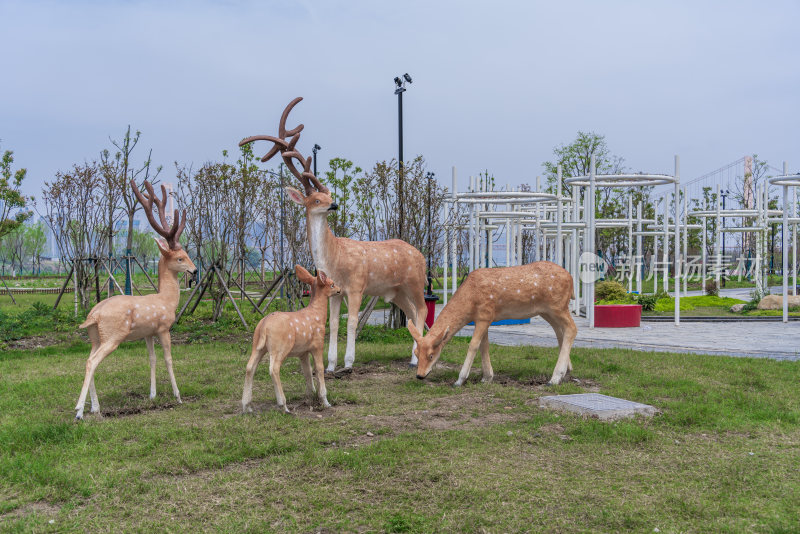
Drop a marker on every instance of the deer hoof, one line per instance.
(412, 365)
(326, 404)
(78, 418)
(457, 384)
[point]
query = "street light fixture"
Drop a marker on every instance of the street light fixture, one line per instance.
(400, 88)
(314, 150)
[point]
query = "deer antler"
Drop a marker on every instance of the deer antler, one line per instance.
(289, 152)
(177, 223)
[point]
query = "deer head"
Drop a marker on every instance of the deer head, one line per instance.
(175, 258)
(317, 198)
(428, 349)
(320, 284)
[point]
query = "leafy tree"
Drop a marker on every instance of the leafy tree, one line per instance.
(35, 242)
(575, 159)
(343, 220)
(12, 201)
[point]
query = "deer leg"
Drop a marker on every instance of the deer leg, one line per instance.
(305, 366)
(353, 307)
(322, 393)
(481, 328)
(275, 362)
(93, 396)
(565, 330)
(333, 321)
(252, 365)
(416, 311)
(152, 352)
(166, 346)
(94, 360)
(486, 363)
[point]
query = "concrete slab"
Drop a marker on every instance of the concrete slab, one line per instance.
(597, 405)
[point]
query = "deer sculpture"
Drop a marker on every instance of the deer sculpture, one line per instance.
(391, 269)
(127, 318)
(300, 333)
(488, 295)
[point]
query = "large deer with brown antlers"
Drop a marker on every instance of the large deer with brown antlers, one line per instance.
(391, 269)
(488, 295)
(127, 318)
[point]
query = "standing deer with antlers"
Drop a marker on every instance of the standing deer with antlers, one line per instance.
(127, 317)
(390, 269)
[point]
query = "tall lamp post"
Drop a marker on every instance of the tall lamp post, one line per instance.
(400, 88)
(429, 175)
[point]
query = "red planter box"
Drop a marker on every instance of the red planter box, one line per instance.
(617, 315)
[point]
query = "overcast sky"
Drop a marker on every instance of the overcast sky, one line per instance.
(496, 85)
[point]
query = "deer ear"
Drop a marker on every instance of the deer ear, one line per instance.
(296, 196)
(162, 245)
(416, 334)
(441, 338)
(303, 275)
(322, 277)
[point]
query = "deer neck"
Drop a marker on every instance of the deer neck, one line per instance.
(318, 303)
(454, 316)
(321, 240)
(168, 289)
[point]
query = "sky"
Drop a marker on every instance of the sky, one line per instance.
(496, 85)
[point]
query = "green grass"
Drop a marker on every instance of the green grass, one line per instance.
(397, 454)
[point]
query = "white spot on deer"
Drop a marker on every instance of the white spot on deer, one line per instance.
(535, 284)
(517, 290)
(532, 297)
(491, 296)
(137, 315)
(136, 306)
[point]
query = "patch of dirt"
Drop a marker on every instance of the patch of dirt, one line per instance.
(39, 507)
(40, 342)
(143, 407)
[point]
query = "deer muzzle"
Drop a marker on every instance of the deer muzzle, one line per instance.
(333, 207)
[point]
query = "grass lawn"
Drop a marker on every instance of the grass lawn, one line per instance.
(395, 453)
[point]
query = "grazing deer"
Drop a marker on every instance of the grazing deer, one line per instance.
(390, 269)
(300, 333)
(126, 317)
(488, 295)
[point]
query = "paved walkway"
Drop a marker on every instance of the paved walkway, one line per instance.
(774, 340)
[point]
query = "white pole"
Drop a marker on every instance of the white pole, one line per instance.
(794, 240)
(685, 238)
(590, 240)
(575, 267)
(639, 252)
(785, 247)
(665, 246)
(654, 257)
(703, 257)
(472, 229)
(630, 242)
(718, 239)
(677, 249)
(559, 243)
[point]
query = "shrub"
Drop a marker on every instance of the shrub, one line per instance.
(610, 290)
(647, 302)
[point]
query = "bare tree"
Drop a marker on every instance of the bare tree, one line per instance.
(74, 212)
